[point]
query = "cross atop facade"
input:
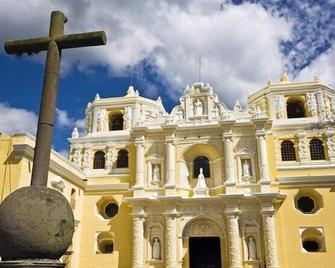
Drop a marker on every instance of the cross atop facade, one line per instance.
(53, 44)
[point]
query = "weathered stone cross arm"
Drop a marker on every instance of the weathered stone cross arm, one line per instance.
(39, 44)
(35, 45)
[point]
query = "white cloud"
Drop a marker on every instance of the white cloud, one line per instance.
(17, 120)
(323, 67)
(239, 44)
(63, 119)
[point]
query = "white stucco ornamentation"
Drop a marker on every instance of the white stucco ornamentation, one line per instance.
(171, 241)
(76, 156)
(331, 144)
(270, 240)
(263, 158)
(312, 104)
(138, 242)
(139, 162)
(170, 165)
(229, 159)
(233, 240)
(302, 147)
(101, 118)
(128, 117)
(321, 105)
(110, 157)
(280, 106)
(86, 158)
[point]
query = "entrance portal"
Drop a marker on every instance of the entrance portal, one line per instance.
(205, 252)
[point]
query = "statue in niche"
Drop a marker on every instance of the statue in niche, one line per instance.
(198, 108)
(179, 114)
(252, 249)
(156, 249)
(216, 112)
(156, 174)
(246, 173)
(201, 188)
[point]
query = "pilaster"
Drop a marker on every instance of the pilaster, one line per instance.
(138, 238)
(171, 240)
(263, 161)
(229, 157)
(170, 184)
(234, 242)
(139, 144)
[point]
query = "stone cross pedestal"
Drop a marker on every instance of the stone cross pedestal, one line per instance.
(36, 222)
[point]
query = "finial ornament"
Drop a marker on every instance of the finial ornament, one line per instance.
(130, 91)
(316, 78)
(284, 78)
(269, 83)
(97, 97)
(75, 133)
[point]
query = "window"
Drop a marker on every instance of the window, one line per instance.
(305, 204)
(311, 245)
(316, 149)
(312, 240)
(107, 207)
(116, 122)
(111, 210)
(287, 151)
(201, 162)
(105, 243)
(295, 109)
(308, 201)
(122, 159)
(99, 160)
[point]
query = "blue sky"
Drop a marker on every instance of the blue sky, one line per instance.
(242, 44)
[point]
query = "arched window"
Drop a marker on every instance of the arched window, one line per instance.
(201, 162)
(116, 122)
(316, 149)
(295, 109)
(99, 160)
(122, 159)
(287, 151)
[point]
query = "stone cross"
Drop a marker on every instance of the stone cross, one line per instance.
(53, 44)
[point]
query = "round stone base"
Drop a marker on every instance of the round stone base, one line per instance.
(32, 264)
(35, 223)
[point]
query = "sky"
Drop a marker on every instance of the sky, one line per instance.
(155, 45)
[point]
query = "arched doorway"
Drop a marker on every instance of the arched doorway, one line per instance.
(205, 241)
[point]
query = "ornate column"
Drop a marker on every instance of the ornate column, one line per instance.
(171, 241)
(139, 163)
(170, 162)
(76, 159)
(229, 157)
(302, 147)
(138, 238)
(271, 254)
(263, 161)
(234, 241)
(330, 144)
(109, 157)
(267, 212)
(86, 158)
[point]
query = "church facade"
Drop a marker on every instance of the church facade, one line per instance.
(202, 185)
